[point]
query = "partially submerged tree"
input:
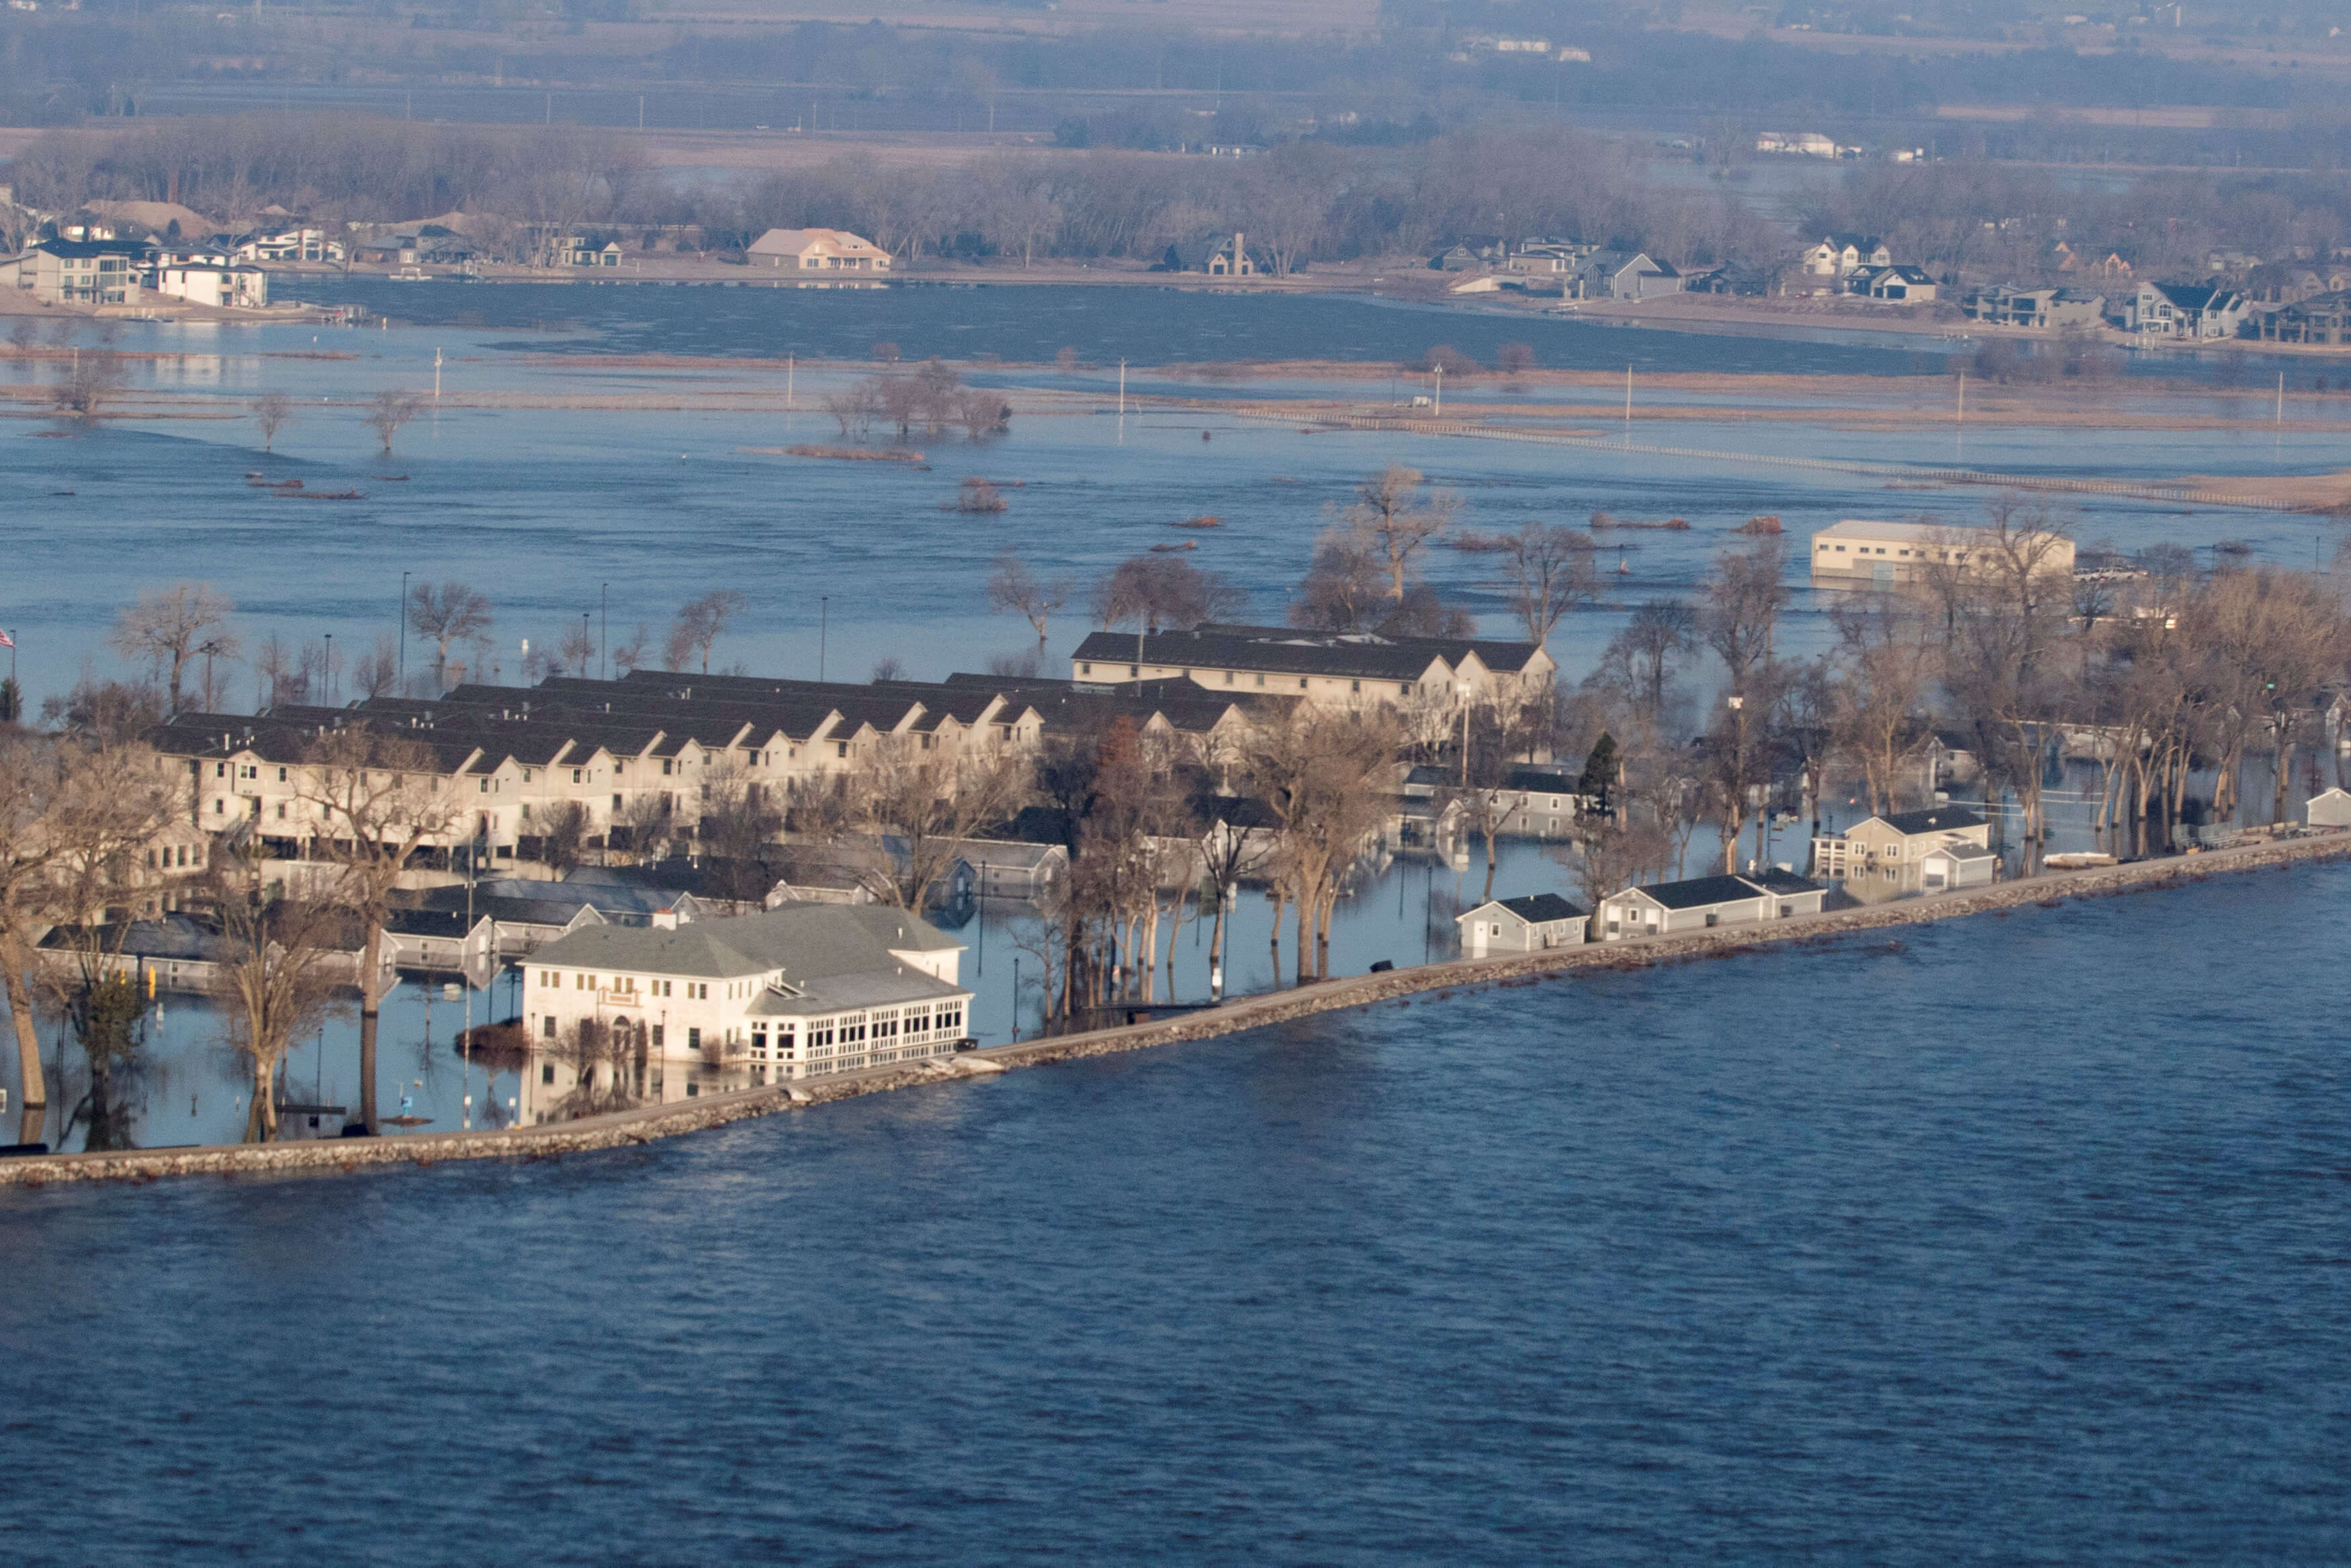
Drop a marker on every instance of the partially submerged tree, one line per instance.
(388, 412)
(1551, 572)
(272, 412)
(167, 628)
(276, 980)
(373, 799)
(1013, 587)
(699, 625)
(444, 616)
(1163, 591)
(74, 815)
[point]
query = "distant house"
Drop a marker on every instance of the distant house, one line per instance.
(574, 250)
(1732, 277)
(1703, 901)
(294, 244)
(78, 272)
(1842, 256)
(1891, 847)
(2324, 318)
(817, 250)
(2006, 306)
(1529, 924)
(1622, 275)
(2183, 310)
(1548, 257)
(244, 287)
(1804, 143)
(1900, 281)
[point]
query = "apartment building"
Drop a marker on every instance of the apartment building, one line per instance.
(1348, 669)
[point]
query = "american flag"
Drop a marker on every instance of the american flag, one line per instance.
(6, 641)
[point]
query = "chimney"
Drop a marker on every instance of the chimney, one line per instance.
(665, 919)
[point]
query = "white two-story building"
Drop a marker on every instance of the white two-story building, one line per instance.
(803, 991)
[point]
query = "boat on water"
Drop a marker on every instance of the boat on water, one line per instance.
(2076, 860)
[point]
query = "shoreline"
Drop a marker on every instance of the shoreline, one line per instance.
(632, 1128)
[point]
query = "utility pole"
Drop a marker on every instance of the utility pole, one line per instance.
(1628, 405)
(823, 621)
(1122, 389)
(1440, 392)
(604, 629)
(789, 363)
(1963, 394)
(404, 634)
(436, 375)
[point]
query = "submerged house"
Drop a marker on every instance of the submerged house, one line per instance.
(1699, 902)
(1529, 924)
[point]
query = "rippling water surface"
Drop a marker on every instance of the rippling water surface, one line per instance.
(2019, 1238)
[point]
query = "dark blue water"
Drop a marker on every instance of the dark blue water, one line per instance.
(1032, 322)
(2021, 1241)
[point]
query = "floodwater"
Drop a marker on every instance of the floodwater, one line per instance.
(620, 514)
(2016, 1239)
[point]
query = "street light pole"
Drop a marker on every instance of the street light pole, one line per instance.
(823, 624)
(404, 634)
(604, 629)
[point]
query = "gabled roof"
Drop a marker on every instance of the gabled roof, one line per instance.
(1935, 819)
(1535, 909)
(813, 947)
(1781, 884)
(1698, 892)
(1214, 645)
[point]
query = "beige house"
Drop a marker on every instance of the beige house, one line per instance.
(1860, 553)
(72, 272)
(1700, 902)
(1892, 847)
(1351, 668)
(817, 250)
(801, 991)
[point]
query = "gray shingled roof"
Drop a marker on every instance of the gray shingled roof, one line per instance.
(1935, 819)
(807, 942)
(1535, 909)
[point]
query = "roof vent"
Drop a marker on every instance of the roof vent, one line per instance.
(665, 919)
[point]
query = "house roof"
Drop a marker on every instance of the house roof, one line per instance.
(797, 242)
(1936, 819)
(1963, 852)
(1534, 908)
(1223, 645)
(1698, 892)
(807, 943)
(1908, 532)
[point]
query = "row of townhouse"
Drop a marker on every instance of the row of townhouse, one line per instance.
(1346, 669)
(649, 747)
(2196, 311)
(1542, 921)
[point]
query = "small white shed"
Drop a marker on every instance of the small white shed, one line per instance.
(1953, 865)
(2332, 809)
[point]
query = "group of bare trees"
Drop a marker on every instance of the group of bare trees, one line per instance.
(931, 396)
(2169, 680)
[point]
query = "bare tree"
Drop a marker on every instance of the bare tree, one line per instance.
(699, 625)
(377, 671)
(275, 981)
(563, 832)
(1879, 702)
(73, 815)
(1319, 772)
(1395, 521)
(93, 382)
(388, 412)
(929, 802)
(1552, 573)
(576, 651)
(1155, 591)
(1011, 586)
(1641, 657)
(1343, 591)
(272, 412)
(371, 800)
(631, 653)
(169, 627)
(449, 614)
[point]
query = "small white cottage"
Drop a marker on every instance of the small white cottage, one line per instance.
(1522, 925)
